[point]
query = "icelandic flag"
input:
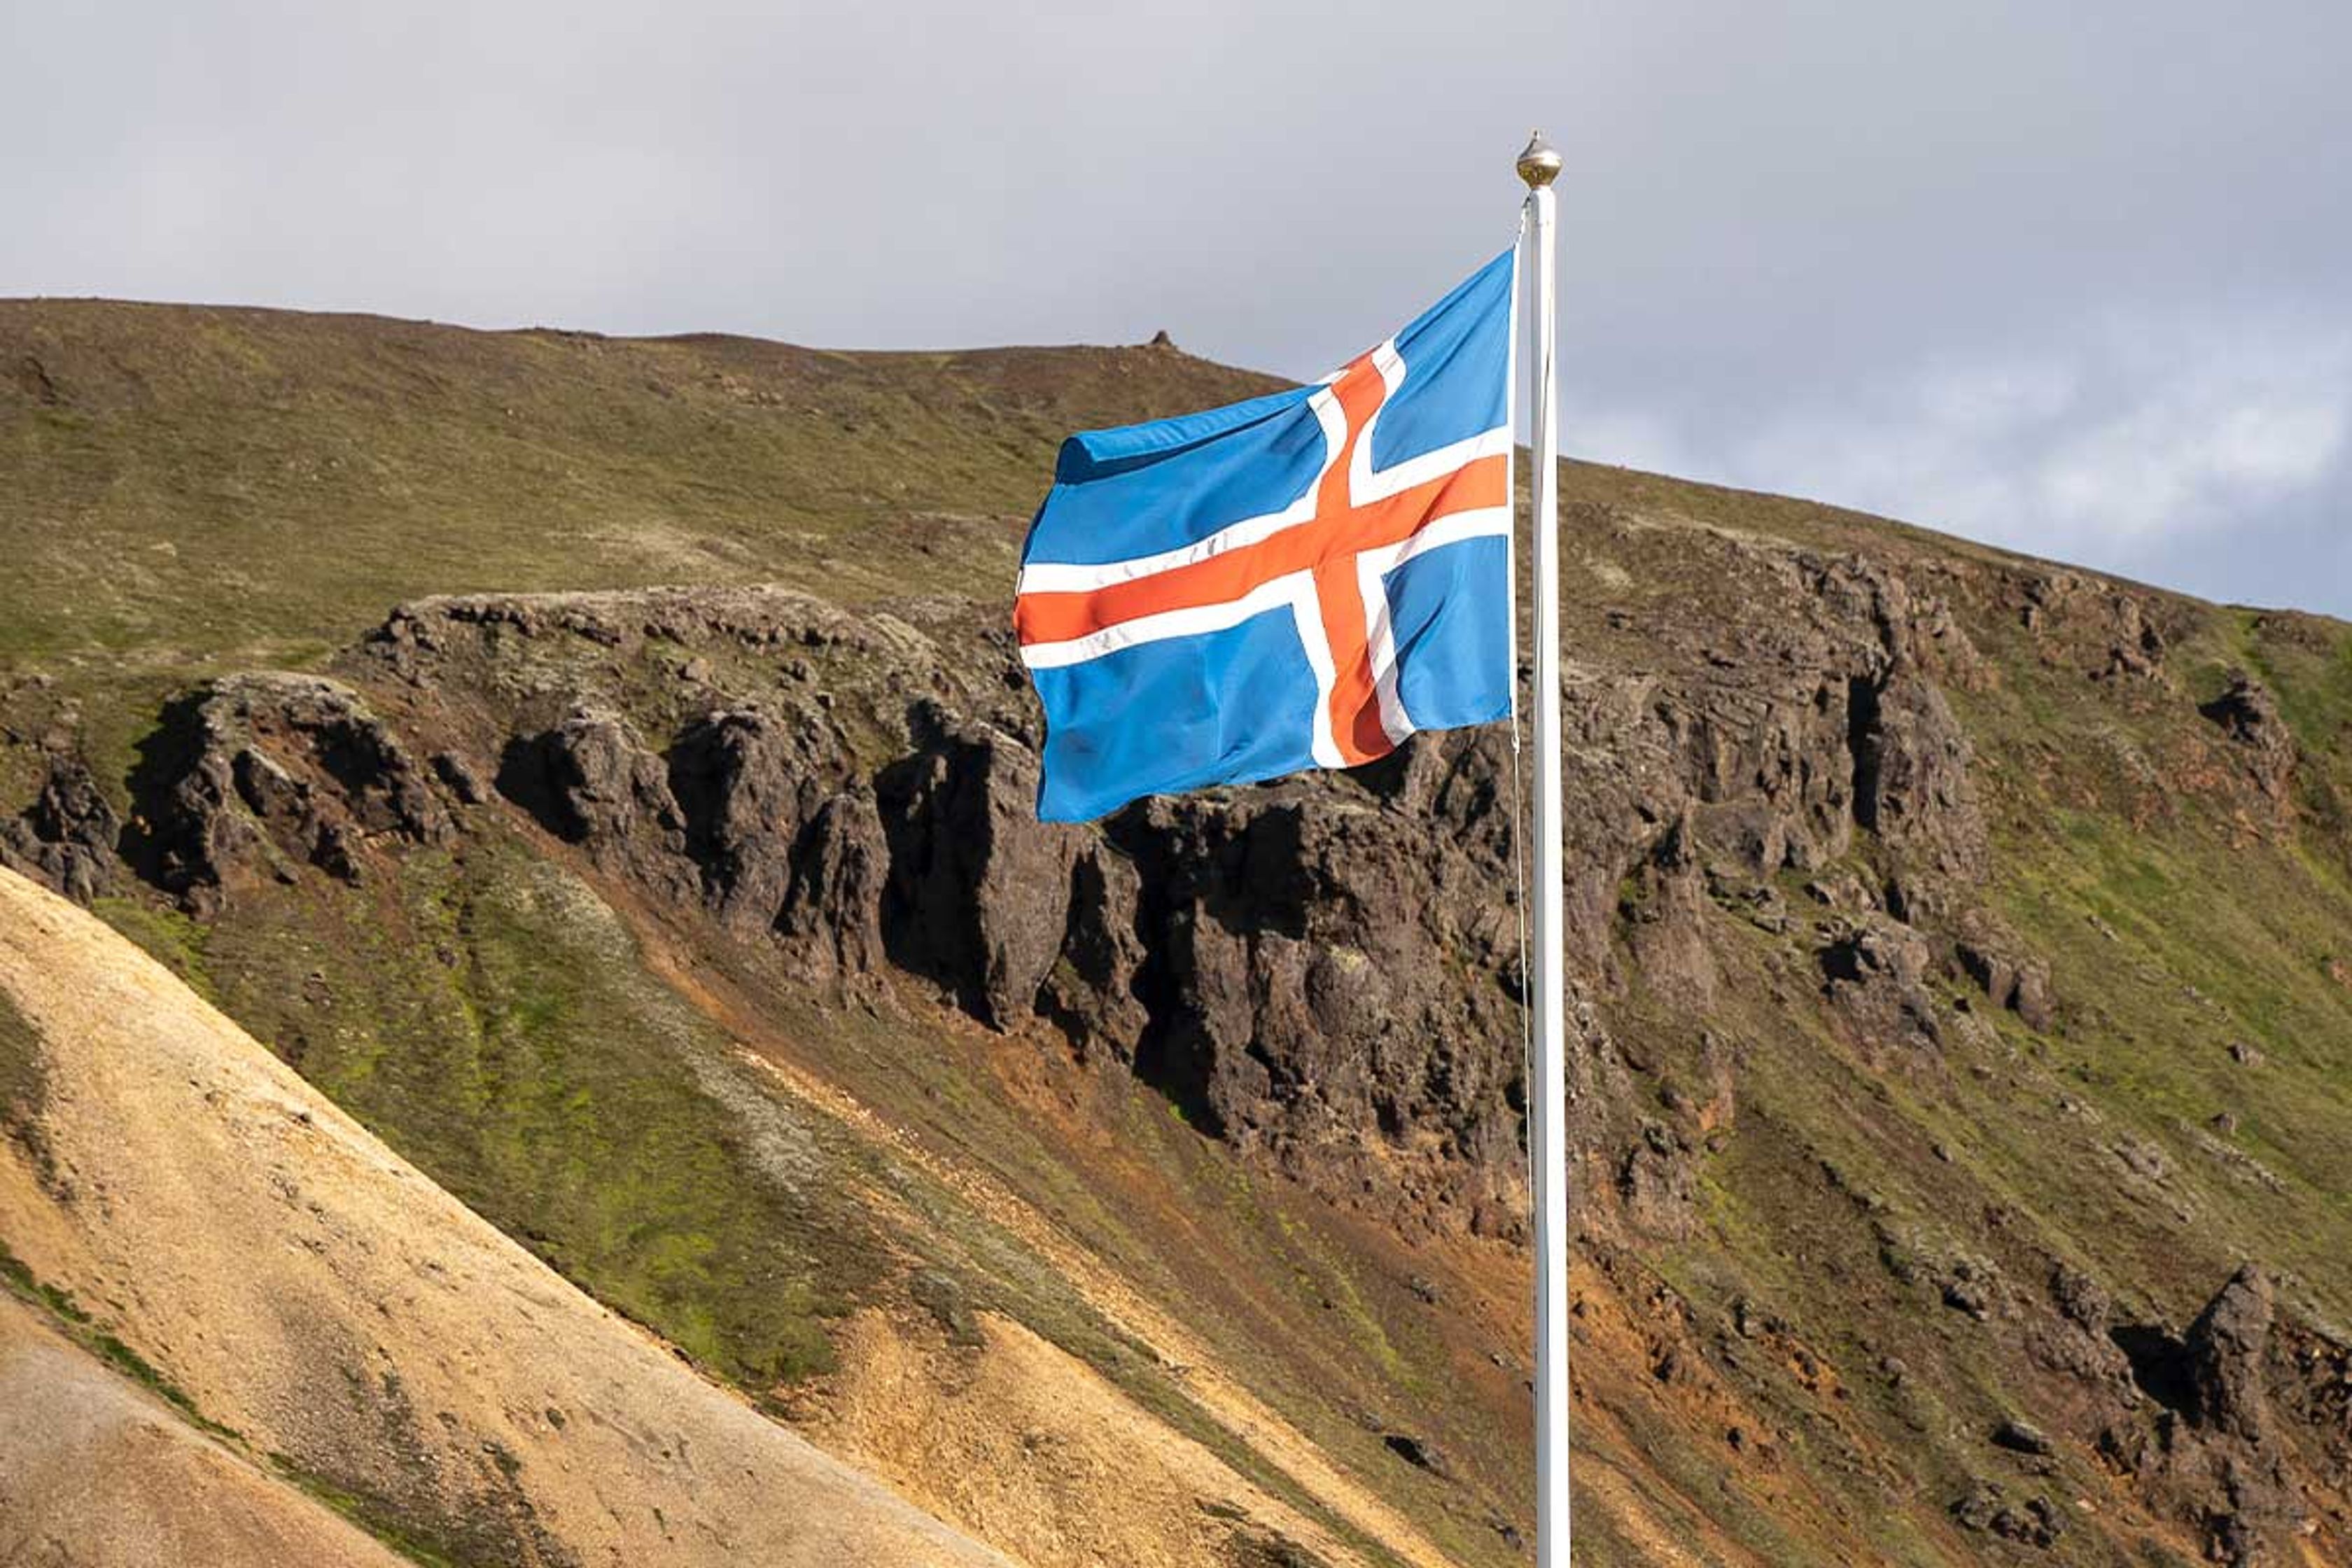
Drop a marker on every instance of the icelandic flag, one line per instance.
(1298, 580)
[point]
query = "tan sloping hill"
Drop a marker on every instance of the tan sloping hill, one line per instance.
(96, 1473)
(304, 1289)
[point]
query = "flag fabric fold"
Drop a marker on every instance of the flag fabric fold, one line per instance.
(1302, 579)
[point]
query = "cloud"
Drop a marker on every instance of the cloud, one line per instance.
(1941, 262)
(2135, 440)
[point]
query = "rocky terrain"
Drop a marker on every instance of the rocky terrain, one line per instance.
(629, 819)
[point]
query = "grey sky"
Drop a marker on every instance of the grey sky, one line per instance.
(2070, 277)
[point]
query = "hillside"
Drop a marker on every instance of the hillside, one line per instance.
(599, 767)
(320, 1305)
(101, 1472)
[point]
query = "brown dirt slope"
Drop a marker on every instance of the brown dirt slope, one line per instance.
(95, 1473)
(310, 1292)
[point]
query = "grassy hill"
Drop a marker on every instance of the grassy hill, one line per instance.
(1963, 947)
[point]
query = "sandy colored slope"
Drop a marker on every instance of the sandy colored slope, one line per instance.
(1224, 1398)
(96, 1473)
(310, 1291)
(1030, 1448)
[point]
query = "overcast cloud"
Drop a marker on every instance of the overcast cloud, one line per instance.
(2068, 278)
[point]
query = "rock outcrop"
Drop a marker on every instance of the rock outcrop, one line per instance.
(2249, 715)
(850, 790)
(259, 775)
(2213, 1454)
(979, 892)
(67, 836)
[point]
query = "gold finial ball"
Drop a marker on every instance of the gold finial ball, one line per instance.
(1540, 165)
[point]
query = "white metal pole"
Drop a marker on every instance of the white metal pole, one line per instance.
(1547, 1094)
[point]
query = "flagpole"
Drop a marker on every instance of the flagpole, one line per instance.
(1539, 165)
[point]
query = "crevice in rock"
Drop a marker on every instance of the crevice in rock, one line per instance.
(2159, 1363)
(926, 930)
(1169, 1055)
(1864, 746)
(153, 842)
(525, 778)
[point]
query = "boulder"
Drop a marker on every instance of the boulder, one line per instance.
(2010, 977)
(1875, 969)
(2035, 1523)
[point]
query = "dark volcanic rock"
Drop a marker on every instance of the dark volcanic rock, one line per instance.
(2009, 977)
(1092, 993)
(1969, 1286)
(979, 892)
(754, 813)
(2213, 1454)
(2105, 630)
(1325, 970)
(1419, 1453)
(261, 774)
(2224, 1353)
(786, 841)
(1912, 790)
(67, 838)
(2079, 1341)
(1293, 1010)
(840, 861)
(1986, 1509)
(1873, 969)
(590, 781)
(2249, 716)
(2021, 1437)
(1658, 1179)
(740, 782)
(463, 782)
(1661, 906)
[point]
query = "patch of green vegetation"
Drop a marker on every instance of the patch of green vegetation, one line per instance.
(166, 934)
(495, 1023)
(492, 1021)
(2308, 666)
(77, 1324)
(389, 1524)
(58, 1303)
(24, 1078)
(15, 1275)
(219, 491)
(137, 1368)
(2180, 950)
